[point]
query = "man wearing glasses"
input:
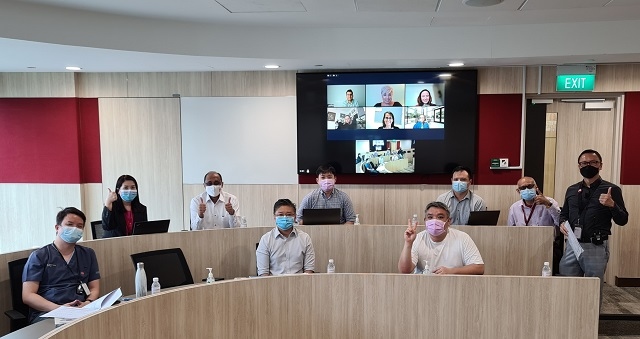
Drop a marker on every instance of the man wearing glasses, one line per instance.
(588, 208)
(213, 208)
(534, 209)
(439, 249)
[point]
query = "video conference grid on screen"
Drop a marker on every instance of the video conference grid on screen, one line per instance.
(381, 119)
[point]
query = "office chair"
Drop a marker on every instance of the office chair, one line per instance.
(168, 265)
(96, 229)
(19, 314)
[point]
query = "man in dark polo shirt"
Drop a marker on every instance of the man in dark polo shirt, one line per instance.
(61, 273)
(589, 207)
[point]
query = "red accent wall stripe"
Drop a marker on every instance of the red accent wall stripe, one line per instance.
(630, 140)
(40, 140)
(89, 132)
(499, 119)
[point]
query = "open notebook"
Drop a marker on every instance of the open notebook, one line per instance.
(68, 312)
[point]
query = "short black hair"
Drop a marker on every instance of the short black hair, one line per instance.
(349, 90)
(439, 205)
(283, 202)
(212, 172)
(463, 168)
(69, 210)
(324, 169)
(590, 151)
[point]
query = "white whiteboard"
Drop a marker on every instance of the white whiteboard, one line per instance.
(248, 140)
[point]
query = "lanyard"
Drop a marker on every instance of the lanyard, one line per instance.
(526, 220)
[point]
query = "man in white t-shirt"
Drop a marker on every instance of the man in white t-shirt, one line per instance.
(443, 249)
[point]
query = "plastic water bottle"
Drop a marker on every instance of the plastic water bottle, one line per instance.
(427, 269)
(331, 268)
(357, 222)
(210, 278)
(414, 220)
(546, 269)
(155, 287)
(243, 221)
(141, 281)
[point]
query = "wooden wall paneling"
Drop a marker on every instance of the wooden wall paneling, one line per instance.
(101, 85)
(500, 80)
(141, 137)
(549, 79)
(578, 130)
(617, 78)
(37, 85)
(188, 84)
(550, 155)
(92, 203)
(401, 202)
(360, 306)
(253, 83)
(498, 197)
(29, 217)
(625, 243)
(532, 79)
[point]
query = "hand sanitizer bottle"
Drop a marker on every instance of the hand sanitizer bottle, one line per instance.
(210, 278)
(357, 222)
(414, 220)
(427, 269)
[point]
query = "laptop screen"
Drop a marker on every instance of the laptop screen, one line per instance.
(151, 227)
(321, 216)
(483, 218)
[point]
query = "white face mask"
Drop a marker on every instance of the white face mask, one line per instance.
(214, 190)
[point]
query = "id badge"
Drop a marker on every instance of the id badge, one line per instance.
(578, 232)
(85, 288)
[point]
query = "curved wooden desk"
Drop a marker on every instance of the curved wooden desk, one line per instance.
(357, 306)
(517, 251)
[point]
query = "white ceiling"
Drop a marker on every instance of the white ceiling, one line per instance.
(206, 35)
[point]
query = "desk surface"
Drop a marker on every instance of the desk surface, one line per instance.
(33, 331)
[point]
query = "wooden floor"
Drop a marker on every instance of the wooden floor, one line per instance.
(623, 304)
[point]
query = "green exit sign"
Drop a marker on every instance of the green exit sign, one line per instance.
(575, 82)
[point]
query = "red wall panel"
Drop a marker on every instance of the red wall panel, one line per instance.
(40, 140)
(499, 119)
(89, 131)
(630, 140)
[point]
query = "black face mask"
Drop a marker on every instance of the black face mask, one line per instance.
(589, 171)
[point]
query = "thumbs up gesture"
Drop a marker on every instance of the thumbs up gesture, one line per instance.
(202, 207)
(229, 207)
(540, 199)
(606, 200)
(111, 197)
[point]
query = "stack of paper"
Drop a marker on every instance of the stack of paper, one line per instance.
(70, 313)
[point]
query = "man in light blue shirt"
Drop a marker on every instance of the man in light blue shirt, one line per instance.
(460, 200)
(534, 209)
(350, 102)
(285, 249)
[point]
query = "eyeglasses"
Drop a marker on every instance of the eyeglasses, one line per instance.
(587, 163)
(530, 186)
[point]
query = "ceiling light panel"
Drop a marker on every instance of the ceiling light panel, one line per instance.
(262, 6)
(396, 5)
(458, 6)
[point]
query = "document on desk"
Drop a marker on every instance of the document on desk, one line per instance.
(573, 241)
(68, 312)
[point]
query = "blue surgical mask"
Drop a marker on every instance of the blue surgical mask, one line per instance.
(528, 194)
(459, 186)
(70, 234)
(128, 195)
(284, 222)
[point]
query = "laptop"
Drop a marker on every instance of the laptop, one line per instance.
(483, 218)
(321, 216)
(151, 227)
